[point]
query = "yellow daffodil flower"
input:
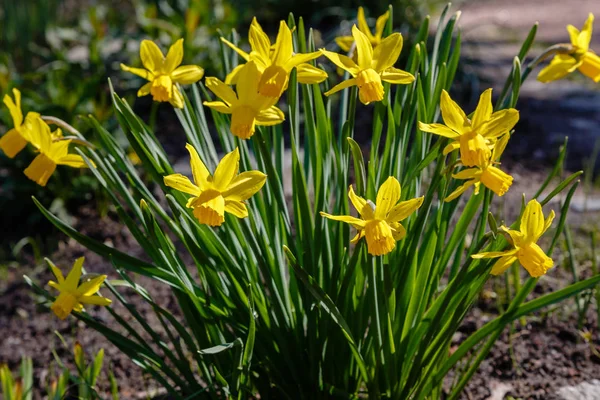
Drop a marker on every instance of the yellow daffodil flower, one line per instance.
(225, 191)
(581, 58)
(486, 173)
(16, 139)
(345, 42)
(372, 66)
(248, 108)
(275, 62)
(474, 137)
(526, 250)
(51, 153)
(164, 72)
(72, 295)
(380, 223)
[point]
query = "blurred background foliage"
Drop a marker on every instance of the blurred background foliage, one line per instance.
(59, 53)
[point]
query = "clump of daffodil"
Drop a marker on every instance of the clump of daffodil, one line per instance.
(225, 191)
(372, 66)
(72, 295)
(16, 139)
(474, 137)
(346, 42)
(248, 108)
(380, 223)
(164, 72)
(51, 153)
(275, 62)
(526, 250)
(580, 57)
(486, 173)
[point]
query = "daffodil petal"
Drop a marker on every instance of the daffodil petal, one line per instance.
(454, 117)
(360, 204)
(438, 129)
(355, 222)
(283, 45)
(500, 122)
(307, 74)
(270, 116)
(181, 183)
(90, 287)
(187, 74)
(460, 190)
(361, 20)
(502, 264)
(245, 185)
(585, 36)
(223, 91)
(95, 300)
(396, 76)
(174, 57)
(218, 106)
(532, 221)
(236, 208)
(364, 49)
(152, 57)
(573, 34)
(387, 52)
(199, 170)
(12, 142)
(493, 254)
(451, 147)
(56, 271)
(298, 59)
(380, 24)
(560, 66)
(139, 72)
(144, 90)
(227, 170)
(404, 209)
(344, 42)
(484, 109)
(387, 196)
(590, 66)
(14, 107)
(534, 260)
(342, 61)
(247, 85)
(341, 86)
(548, 221)
(233, 76)
(72, 160)
(72, 278)
(241, 52)
(259, 41)
(468, 173)
(176, 99)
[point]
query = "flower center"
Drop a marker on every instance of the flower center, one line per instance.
(64, 304)
(162, 88)
(474, 150)
(273, 81)
(243, 120)
(369, 86)
(496, 180)
(211, 212)
(380, 239)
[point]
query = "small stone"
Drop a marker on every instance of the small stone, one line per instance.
(583, 391)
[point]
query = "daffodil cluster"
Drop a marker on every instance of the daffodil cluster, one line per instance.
(51, 148)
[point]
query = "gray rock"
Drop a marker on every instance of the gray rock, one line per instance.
(583, 391)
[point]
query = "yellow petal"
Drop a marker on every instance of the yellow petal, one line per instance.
(559, 67)
(298, 59)
(95, 300)
(341, 86)
(12, 143)
(233, 76)
(223, 91)
(380, 238)
(199, 170)
(585, 36)
(241, 52)
(438, 129)
(40, 169)
(469, 173)
(548, 221)
(398, 231)
(218, 106)
(259, 41)
(387, 52)
(236, 208)
(187, 74)
(270, 116)
(72, 160)
(90, 287)
(73, 277)
(14, 107)
(355, 222)
(590, 66)
(176, 99)
(499, 123)
(380, 24)
(361, 205)
(139, 72)
(344, 42)
(500, 146)
(245, 185)
(145, 89)
(181, 183)
(174, 57)
(387, 196)
(532, 221)
(211, 212)
(502, 264)
(152, 57)
(283, 45)
(484, 109)
(403, 209)
(454, 117)
(496, 180)
(56, 271)
(451, 147)
(362, 24)
(493, 254)
(397, 76)
(534, 260)
(460, 190)
(308, 74)
(573, 34)
(247, 86)
(342, 61)
(364, 49)
(226, 170)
